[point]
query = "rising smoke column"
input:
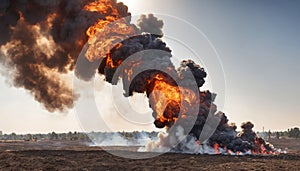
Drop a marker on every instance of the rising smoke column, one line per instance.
(181, 106)
(40, 42)
(166, 96)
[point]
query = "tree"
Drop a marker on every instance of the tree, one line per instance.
(13, 136)
(294, 132)
(53, 136)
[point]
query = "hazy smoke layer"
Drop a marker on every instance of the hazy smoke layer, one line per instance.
(117, 139)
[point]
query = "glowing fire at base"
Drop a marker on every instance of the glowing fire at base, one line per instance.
(216, 147)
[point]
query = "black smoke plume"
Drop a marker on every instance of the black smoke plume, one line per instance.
(41, 40)
(225, 136)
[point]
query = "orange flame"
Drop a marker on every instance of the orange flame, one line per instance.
(260, 148)
(50, 19)
(102, 7)
(104, 34)
(164, 95)
(216, 147)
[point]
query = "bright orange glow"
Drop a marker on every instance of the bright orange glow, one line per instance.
(50, 19)
(216, 147)
(167, 98)
(260, 148)
(103, 6)
(103, 34)
(109, 60)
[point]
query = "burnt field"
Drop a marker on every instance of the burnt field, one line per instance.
(76, 155)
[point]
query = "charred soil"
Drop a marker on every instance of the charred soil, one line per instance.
(70, 155)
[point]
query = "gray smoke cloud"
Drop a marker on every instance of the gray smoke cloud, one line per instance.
(150, 24)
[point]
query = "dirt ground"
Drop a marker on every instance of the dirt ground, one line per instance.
(75, 155)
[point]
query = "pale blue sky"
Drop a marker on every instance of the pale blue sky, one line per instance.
(259, 47)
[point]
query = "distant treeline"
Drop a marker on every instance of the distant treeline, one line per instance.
(49, 136)
(72, 136)
(292, 133)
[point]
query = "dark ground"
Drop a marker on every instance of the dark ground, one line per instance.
(74, 155)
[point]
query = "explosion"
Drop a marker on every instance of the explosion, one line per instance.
(41, 41)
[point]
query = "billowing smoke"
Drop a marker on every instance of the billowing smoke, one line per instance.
(40, 43)
(148, 50)
(42, 39)
(150, 24)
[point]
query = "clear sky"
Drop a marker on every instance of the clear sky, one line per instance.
(259, 47)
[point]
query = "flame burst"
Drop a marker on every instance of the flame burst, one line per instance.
(43, 38)
(101, 7)
(170, 100)
(106, 33)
